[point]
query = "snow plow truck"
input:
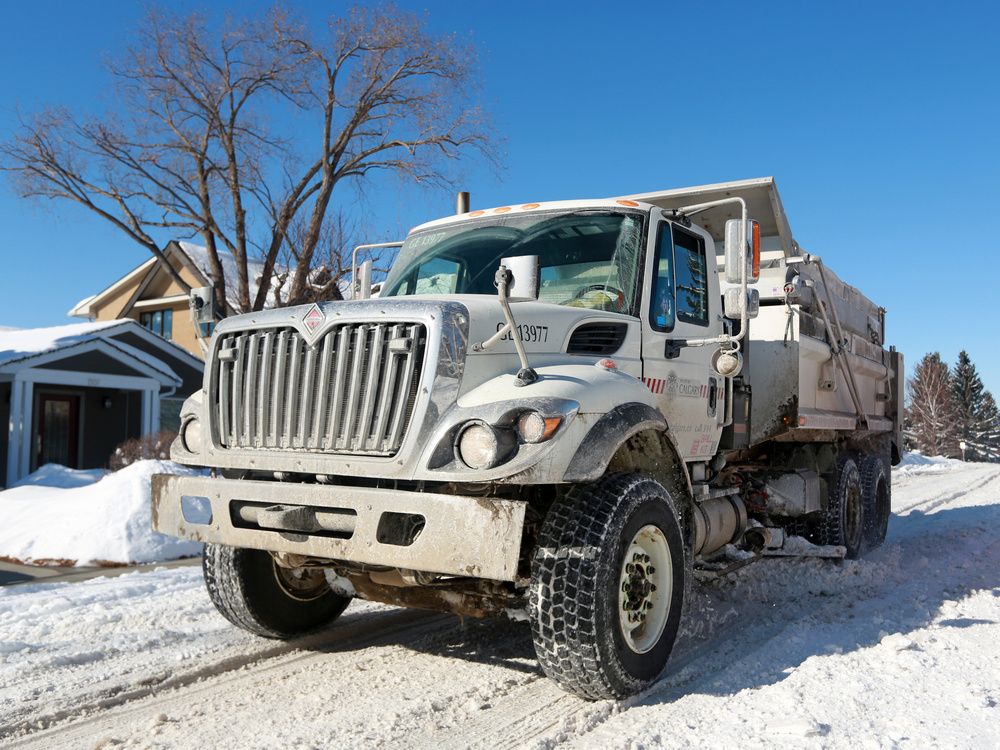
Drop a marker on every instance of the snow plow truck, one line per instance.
(561, 412)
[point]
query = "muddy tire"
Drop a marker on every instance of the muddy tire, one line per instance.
(607, 586)
(843, 522)
(254, 593)
(876, 496)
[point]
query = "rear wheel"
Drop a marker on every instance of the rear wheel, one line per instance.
(607, 586)
(843, 522)
(876, 494)
(255, 593)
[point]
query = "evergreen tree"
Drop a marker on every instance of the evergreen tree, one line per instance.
(932, 413)
(968, 392)
(986, 441)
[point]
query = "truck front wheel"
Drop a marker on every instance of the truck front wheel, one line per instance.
(255, 593)
(607, 586)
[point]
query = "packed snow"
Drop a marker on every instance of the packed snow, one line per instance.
(900, 649)
(87, 517)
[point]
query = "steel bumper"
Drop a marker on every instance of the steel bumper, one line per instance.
(461, 535)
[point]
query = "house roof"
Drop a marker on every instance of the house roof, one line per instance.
(195, 257)
(26, 347)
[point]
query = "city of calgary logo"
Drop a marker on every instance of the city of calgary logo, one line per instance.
(313, 319)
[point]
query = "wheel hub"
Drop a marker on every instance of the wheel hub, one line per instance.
(644, 590)
(304, 584)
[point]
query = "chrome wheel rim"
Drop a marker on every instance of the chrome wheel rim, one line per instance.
(645, 587)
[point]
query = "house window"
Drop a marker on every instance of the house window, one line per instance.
(158, 321)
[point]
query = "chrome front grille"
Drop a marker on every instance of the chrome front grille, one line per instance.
(352, 392)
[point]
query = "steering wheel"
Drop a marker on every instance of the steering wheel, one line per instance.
(616, 296)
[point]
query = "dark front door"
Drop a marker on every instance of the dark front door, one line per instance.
(58, 429)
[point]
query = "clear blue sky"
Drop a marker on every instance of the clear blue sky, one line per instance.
(880, 121)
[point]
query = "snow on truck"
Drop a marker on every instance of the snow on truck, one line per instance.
(556, 411)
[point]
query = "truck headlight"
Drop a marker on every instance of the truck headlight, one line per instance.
(191, 435)
(481, 446)
(534, 428)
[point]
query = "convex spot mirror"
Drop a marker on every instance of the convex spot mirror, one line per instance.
(733, 251)
(524, 281)
(734, 301)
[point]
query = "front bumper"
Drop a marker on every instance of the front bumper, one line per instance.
(461, 535)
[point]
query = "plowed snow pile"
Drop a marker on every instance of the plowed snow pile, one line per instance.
(87, 517)
(898, 650)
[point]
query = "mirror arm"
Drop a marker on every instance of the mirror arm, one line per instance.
(354, 261)
(526, 375)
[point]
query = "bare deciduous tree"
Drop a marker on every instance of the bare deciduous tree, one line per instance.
(241, 137)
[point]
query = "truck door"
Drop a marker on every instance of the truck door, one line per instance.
(681, 301)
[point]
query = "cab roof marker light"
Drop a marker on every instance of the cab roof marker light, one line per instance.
(528, 206)
(501, 210)
(623, 202)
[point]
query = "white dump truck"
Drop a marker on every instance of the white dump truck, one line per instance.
(560, 412)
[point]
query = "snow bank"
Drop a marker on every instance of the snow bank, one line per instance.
(57, 475)
(917, 463)
(58, 515)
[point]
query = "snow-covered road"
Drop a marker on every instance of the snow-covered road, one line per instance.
(901, 649)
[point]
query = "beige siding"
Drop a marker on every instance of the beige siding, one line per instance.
(157, 283)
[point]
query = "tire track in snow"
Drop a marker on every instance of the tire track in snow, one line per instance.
(936, 502)
(356, 635)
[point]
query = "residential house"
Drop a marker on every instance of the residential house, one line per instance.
(70, 394)
(149, 294)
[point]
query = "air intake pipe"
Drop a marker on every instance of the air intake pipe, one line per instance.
(718, 522)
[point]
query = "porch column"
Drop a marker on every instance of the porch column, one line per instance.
(19, 429)
(14, 430)
(150, 411)
(154, 410)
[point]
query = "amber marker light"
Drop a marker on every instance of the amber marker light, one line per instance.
(631, 204)
(501, 210)
(475, 213)
(528, 206)
(534, 428)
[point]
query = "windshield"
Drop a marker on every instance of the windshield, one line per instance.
(588, 259)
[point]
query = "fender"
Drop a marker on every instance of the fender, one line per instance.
(609, 433)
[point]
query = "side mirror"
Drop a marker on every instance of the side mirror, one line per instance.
(525, 278)
(202, 304)
(363, 283)
(734, 301)
(734, 253)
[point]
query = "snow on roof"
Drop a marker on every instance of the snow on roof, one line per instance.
(18, 345)
(26, 342)
(82, 308)
(198, 256)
